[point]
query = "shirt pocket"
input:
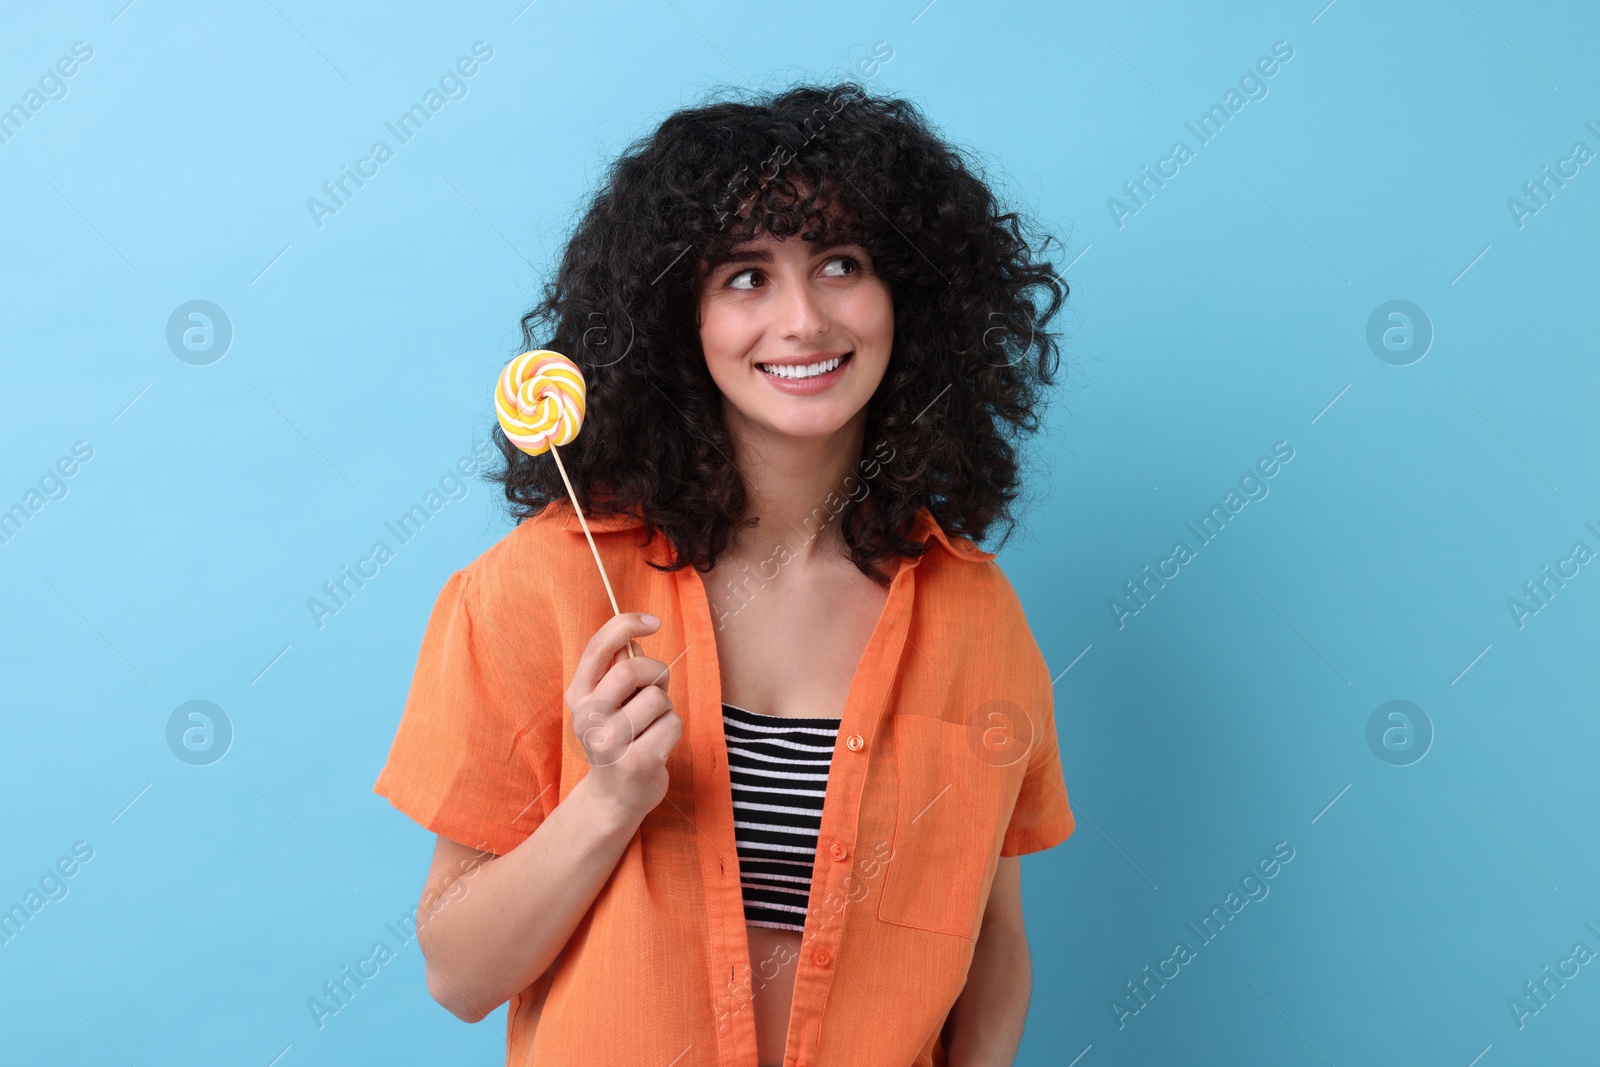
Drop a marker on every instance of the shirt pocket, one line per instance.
(950, 810)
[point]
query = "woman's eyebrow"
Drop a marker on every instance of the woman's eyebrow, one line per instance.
(761, 255)
(738, 255)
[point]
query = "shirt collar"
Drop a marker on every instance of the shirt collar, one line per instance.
(924, 527)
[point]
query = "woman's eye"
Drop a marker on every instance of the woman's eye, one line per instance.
(738, 281)
(854, 266)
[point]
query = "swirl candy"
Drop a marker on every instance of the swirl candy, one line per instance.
(540, 401)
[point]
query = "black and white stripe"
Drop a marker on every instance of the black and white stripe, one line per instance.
(779, 770)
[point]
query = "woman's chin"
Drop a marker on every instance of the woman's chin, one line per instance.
(822, 424)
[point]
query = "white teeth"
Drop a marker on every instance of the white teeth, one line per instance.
(797, 372)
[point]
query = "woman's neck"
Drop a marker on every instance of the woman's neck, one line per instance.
(798, 487)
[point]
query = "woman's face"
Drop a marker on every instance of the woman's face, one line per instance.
(779, 308)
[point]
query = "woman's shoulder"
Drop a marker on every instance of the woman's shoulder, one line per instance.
(977, 586)
(961, 568)
(967, 583)
(541, 553)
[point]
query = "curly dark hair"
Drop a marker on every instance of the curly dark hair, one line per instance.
(971, 355)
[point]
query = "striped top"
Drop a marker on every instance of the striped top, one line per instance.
(778, 765)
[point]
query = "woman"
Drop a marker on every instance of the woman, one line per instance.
(788, 831)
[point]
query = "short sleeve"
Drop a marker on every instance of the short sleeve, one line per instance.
(1042, 817)
(463, 761)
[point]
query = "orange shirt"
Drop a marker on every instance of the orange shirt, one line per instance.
(946, 760)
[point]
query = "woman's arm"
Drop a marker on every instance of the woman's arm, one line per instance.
(490, 932)
(489, 929)
(985, 1025)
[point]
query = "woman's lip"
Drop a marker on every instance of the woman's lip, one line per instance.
(806, 386)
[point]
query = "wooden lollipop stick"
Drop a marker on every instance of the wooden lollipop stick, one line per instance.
(585, 524)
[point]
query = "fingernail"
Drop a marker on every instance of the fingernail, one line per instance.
(650, 620)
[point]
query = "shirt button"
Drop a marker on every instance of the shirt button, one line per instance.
(838, 851)
(854, 743)
(822, 957)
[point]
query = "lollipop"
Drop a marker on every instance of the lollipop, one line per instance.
(540, 403)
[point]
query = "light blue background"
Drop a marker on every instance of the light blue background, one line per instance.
(1228, 314)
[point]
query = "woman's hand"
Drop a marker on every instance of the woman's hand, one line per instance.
(624, 718)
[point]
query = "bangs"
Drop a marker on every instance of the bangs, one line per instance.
(783, 213)
(799, 200)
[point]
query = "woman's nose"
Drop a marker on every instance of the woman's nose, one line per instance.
(802, 315)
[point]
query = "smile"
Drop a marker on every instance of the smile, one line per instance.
(800, 373)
